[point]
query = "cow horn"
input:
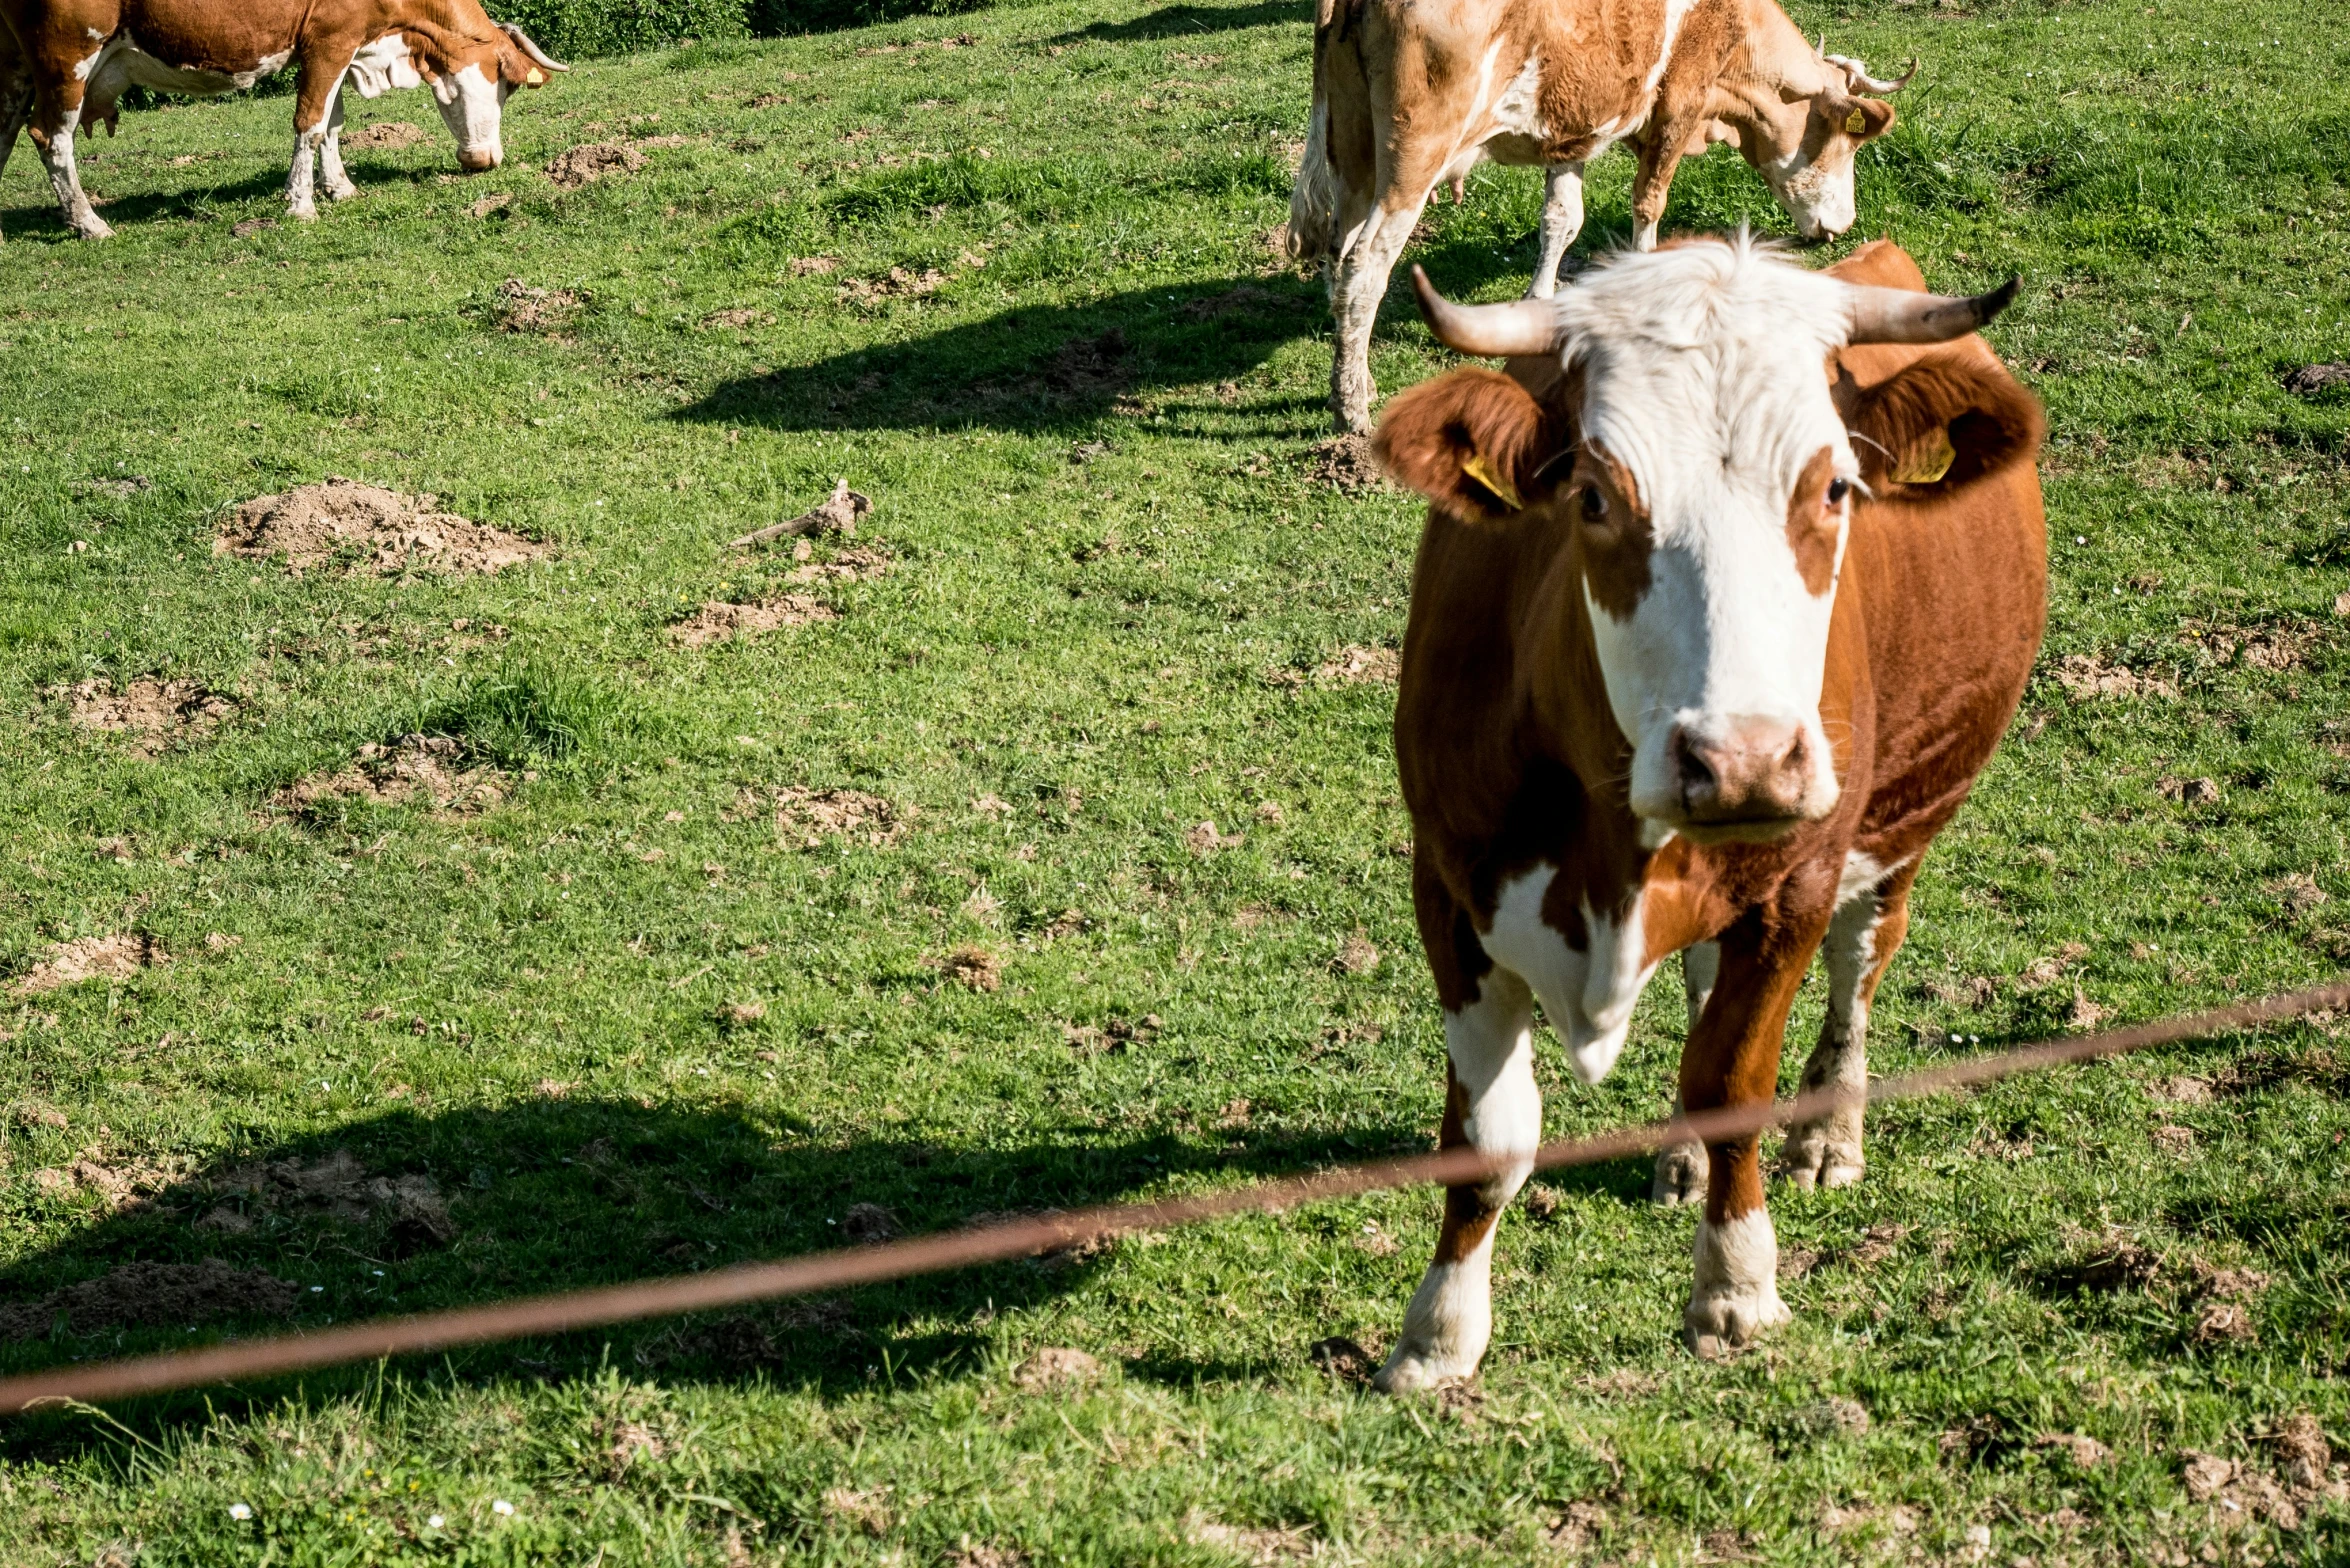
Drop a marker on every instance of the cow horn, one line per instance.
(1856, 73)
(1905, 316)
(1522, 326)
(523, 43)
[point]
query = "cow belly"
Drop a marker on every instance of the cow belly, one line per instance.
(122, 63)
(1587, 993)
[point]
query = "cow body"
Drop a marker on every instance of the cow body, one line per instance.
(65, 64)
(1410, 94)
(1577, 616)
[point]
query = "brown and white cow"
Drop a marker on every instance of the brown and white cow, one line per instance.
(1412, 94)
(65, 63)
(1727, 592)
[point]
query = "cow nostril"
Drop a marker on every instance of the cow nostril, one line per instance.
(1693, 770)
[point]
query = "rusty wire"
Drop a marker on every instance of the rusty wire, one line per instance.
(865, 1265)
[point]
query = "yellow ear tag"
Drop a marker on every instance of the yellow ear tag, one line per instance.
(535, 77)
(1483, 472)
(1855, 123)
(1931, 462)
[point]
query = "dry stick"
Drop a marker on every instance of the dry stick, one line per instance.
(1026, 1237)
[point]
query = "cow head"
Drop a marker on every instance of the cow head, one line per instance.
(471, 76)
(1804, 145)
(1692, 451)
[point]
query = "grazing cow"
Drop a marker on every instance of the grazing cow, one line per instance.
(1727, 592)
(1409, 96)
(65, 63)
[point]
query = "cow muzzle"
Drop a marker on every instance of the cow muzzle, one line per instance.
(1745, 778)
(478, 160)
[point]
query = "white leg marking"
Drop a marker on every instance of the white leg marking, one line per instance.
(66, 180)
(1736, 1292)
(1450, 1319)
(1681, 1171)
(1562, 221)
(1827, 1152)
(1357, 285)
(330, 152)
(1644, 236)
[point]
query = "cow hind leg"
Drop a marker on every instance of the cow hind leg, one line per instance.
(1681, 1167)
(330, 155)
(66, 180)
(1562, 221)
(1862, 939)
(1492, 1105)
(1357, 284)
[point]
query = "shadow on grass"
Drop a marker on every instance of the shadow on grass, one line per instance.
(1064, 367)
(1185, 20)
(416, 1212)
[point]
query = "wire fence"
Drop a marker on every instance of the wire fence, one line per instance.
(238, 1361)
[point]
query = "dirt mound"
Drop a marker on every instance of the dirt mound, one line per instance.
(522, 308)
(848, 566)
(2317, 378)
(337, 1187)
(384, 133)
(430, 768)
(177, 1295)
(118, 957)
(577, 166)
(813, 815)
(1345, 464)
(1090, 367)
(387, 532)
(156, 711)
(718, 621)
(1057, 1366)
(2086, 676)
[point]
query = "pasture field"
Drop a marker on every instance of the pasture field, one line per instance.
(906, 913)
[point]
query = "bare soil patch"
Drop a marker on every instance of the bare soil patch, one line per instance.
(859, 564)
(1346, 464)
(719, 621)
(2310, 379)
(523, 308)
(570, 169)
(138, 1295)
(335, 1187)
(117, 957)
(384, 532)
(156, 712)
(2086, 676)
(1352, 665)
(1343, 1359)
(1056, 1366)
(813, 815)
(384, 133)
(432, 769)
(973, 967)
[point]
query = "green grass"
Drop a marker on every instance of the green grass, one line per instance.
(555, 1026)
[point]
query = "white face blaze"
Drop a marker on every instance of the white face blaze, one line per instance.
(1703, 378)
(470, 104)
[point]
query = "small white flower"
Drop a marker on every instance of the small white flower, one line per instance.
(501, 1506)
(240, 1511)
(318, 1290)
(435, 1522)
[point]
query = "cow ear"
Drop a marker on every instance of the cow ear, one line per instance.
(1862, 119)
(1942, 422)
(1473, 442)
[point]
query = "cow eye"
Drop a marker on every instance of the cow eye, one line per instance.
(1594, 504)
(1838, 489)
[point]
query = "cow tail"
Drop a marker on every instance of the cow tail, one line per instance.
(1314, 200)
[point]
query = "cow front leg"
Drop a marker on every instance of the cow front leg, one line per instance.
(1680, 1167)
(1562, 221)
(1862, 939)
(1357, 285)
(66, 180)
(330, 154)
(1660, 155)
(1733, 1061)
(1491, 1105)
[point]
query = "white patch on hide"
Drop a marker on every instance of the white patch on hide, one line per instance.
(1588, 995)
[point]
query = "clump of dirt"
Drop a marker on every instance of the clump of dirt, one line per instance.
(570, 169)
(432, 769)
(2189, 792)
(719, 621)
(814, 815)
(2084, 1451)
(1056, 1366)
(897, 283)
(388, 532)
(1356, 955)
(522, 308)
(335, 1187)
(1258, 1546)
(1089, 367)
(1343, 1359)
(119, 1185)
(156, 711)
(141, 1295)
(1346, 464)
(862, 563)
(1116, 1034)
(117, 957)
(2309, 379)
(740, 317)
(2086, 676)
(384, 133)
(1204, 839)
(868, 1224)
(973, 967)
(1352, 665)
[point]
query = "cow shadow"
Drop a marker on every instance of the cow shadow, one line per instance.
(415, 1211)
(41, 219)
(1185, 20)
(1063, 368)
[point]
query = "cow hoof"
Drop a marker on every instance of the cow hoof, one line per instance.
(1721, 1323)
(1816, 1156)
(1680, 1176)
(93, 228)
(342, 192)
(1407, 1372)
(303, 214)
